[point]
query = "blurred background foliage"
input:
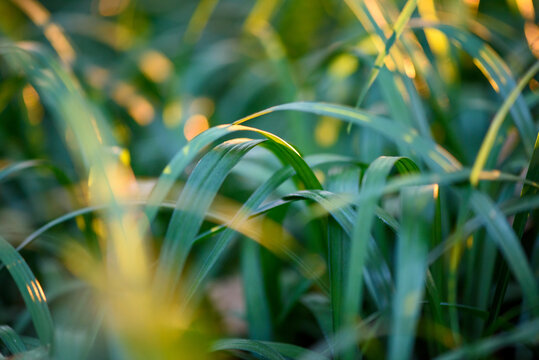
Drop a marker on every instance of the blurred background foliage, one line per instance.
(159, 72)
(161, 69)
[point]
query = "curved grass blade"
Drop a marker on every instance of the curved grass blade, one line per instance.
(456, 177)
(11, 169)
(11, 340)
(462, 232)
(189, 152)
(377, 274)
(201, 188)
(178, 164)
(496, 71)
(8, 170)
(287, 350)
(31, 291)
(496, 124)
(526, 333)
(294, 352)
(248, 208)
(253, 346)
(192, 206)
(397, 30)
(435, 156)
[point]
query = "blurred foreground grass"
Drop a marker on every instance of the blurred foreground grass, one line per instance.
(382, 206)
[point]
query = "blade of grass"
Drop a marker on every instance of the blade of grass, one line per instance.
(11, 340)
(255, 200)
(294, 352)
(256, 347)
(377, 274)
(508, 243)
(435, 156)
(338, 247)
(398, 28)
(496, 124)
(184, 225)
(192, 149)
(191, 208)
(519, 224)
(31, 291)
(526, 333)
(411, 267)
(462, 232)
(374, 179)
(259, 317)
(496, 71)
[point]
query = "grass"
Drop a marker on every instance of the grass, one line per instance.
(376, 198)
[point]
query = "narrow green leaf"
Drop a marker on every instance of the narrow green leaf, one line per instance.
(11, 339)
(496, 71)
(259, 318)
(377, 274)
(192, 149)
(526, 333)
(411, 267)
(295, 352)
(496, 124)
(435, 156)
(373, 181)
(519, 224)
(508, 243)
(191, 207)
(256, 347)
(320, 307)
(397, 30)
(248, 209)
(30, 289)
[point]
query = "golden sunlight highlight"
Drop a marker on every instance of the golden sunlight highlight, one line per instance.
(195, 125)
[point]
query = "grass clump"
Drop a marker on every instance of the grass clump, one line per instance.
(382, 204)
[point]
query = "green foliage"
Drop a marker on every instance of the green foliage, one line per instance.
(382, 204)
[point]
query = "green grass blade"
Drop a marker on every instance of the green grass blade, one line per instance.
(192, 149)
(337, 263)
(177, 165)
(411, 267)
(398, 28)
(294, 352)
(373, 180)
(9, 170)
(400, 134)
(519, 224)
(267, 349)
(526, 333)
(496, 124)
(11, 340)
(256, 347)
(248, 208)
(377, 274)
(508, 244)
(202, 186)
(259, 317)
(463, 231)
(496, 71)
(192, 206)
(31, 291)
